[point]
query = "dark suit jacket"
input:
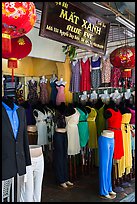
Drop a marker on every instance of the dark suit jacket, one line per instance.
(15, 153)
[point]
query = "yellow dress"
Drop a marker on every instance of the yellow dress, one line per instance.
(125, 163)
(92, 143)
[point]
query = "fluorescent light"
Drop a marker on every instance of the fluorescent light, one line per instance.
(129, 33)
(126, 23)
(101, 6)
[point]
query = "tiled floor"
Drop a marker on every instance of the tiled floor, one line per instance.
(85, 189)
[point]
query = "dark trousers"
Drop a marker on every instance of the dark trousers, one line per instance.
(60, 157)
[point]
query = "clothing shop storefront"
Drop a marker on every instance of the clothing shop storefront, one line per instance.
(68, 103)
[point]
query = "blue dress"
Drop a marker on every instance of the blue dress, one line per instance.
(96, 72)
(53, 92)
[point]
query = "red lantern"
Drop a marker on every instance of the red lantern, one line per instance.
(123, 57)
(21, 47)
(18, 18)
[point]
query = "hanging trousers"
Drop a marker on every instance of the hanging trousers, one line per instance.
(106, 150)
(30, 184)
(60, 157)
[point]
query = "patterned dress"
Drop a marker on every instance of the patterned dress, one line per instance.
(75, 77)
(44, 97)
(106, 71)
(32, 95)
(85, 81)
(115, 77)
(96, 72)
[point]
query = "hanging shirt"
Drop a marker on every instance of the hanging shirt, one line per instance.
(13, 117)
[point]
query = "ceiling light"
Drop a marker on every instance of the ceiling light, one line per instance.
(130, 34)
(126, 23)
(101, 6)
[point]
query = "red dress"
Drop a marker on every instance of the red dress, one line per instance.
(114, 124)
(85, 81)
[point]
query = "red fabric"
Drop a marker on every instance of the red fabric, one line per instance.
(85, 81)
(115, 76)
(115, 122)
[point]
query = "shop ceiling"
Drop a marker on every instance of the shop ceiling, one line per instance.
(108, 11)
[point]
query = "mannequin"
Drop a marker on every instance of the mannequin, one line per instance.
(43, 80)
(125, 163)
(75, 77)
(85, 69)
(114, 119)
(16, 157)
(53, 78)
(32, 91)
(72, 119)
(60, 148)
(106, 149)
(60, 85)
(83, 126)
(61, 82)
(127, 94)
(105, 97)
(116, 96)
(44, 96)
(54, 91)
(93, 97)
(30, 184)
(84, 97)
(41, 124)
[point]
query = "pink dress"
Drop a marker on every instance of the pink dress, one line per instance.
(85, 81)
(106, 71)
(60, 95)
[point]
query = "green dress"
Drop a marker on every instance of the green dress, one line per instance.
(83, 128)
(100, 120)
(92, 143)
(101, 125)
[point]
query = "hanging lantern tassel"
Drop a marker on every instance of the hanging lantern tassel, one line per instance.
(6, 43)
(12, 64)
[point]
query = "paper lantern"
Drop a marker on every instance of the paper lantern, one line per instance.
(21, 47)
(18, 18)
(123, 57)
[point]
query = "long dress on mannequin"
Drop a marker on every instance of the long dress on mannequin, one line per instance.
(83, 128)
(125, 163)
(41, 127)
(32, 95)
(54, 91)
(44, 97)
(92, 143)
(75, 77)
(114, 124)
(73, 133)
(60, 95)
(85, 81)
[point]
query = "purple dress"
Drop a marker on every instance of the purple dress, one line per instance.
(75, 77)
(32, 95)
(44, 97)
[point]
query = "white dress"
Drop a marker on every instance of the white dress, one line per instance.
(73, 133)
(41, 125)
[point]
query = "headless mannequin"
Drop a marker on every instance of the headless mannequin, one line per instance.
(107, 113)
(61, 82)
(123, 108)
(35, 150)
(39, 107)
(99, 104)
(70, 110)
(9, 102)
(82, 107)
(43, 79)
